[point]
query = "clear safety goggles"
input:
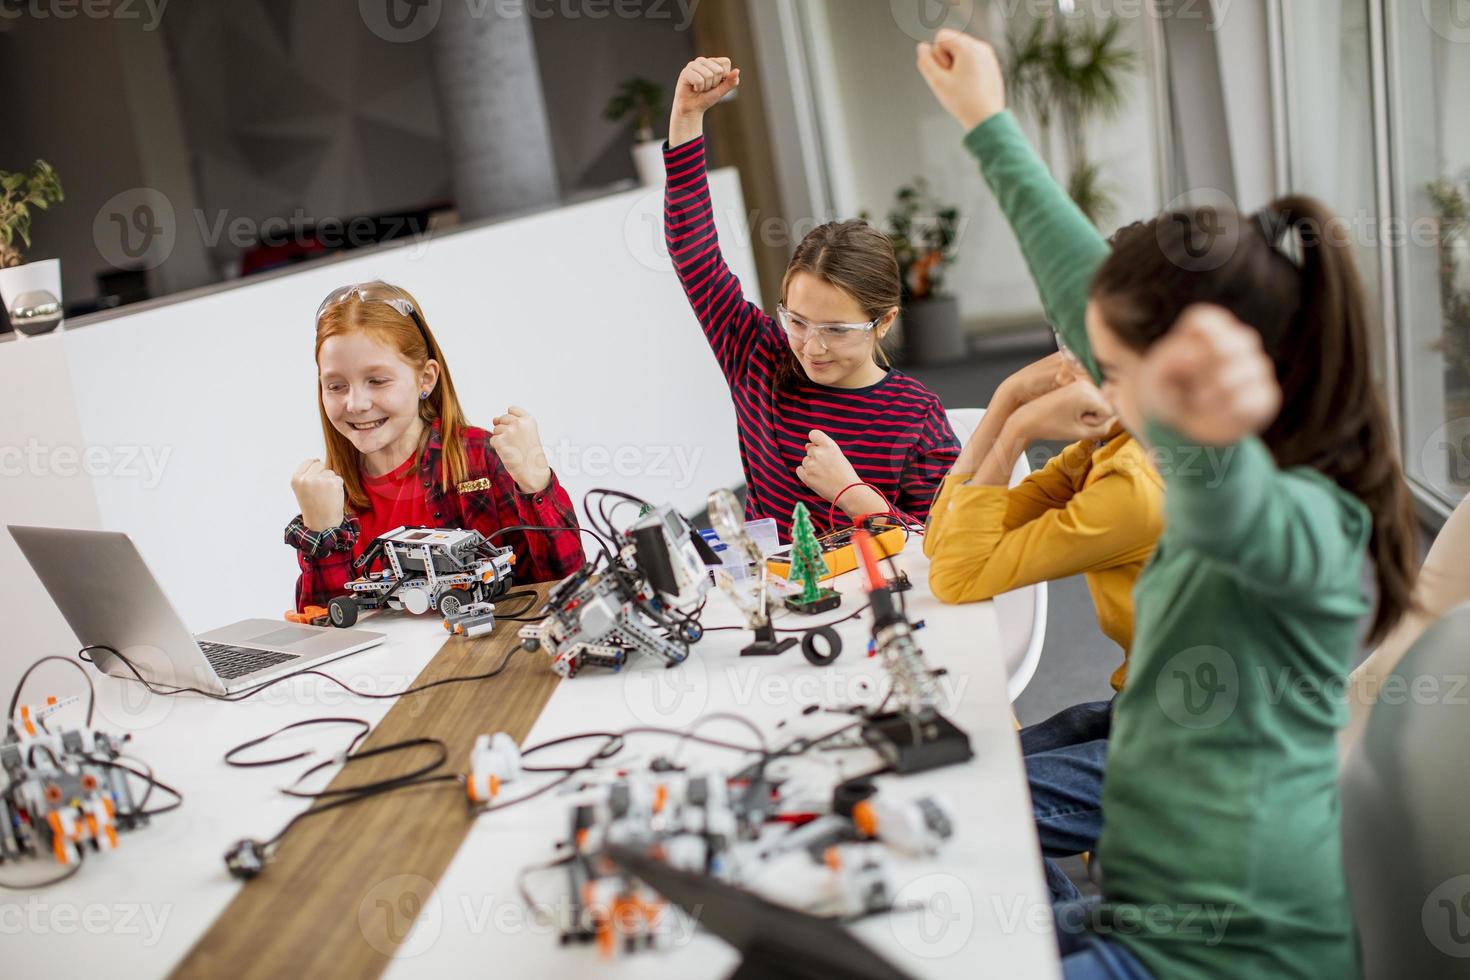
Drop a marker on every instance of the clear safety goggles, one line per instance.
(832, 336)
(377, 292)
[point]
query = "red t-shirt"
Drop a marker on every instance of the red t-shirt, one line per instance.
(397, 500)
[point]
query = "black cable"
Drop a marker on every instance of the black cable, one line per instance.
(152, 782)
(347, 801)
(366, 727)
(596, 535)
(252, 691)
(368, 789)
(45, 883)
(20, 686)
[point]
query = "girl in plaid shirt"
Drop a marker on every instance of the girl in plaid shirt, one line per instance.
(399, 452)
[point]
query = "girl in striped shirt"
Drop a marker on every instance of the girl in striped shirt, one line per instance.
(822, 418)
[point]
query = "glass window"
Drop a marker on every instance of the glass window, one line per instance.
(1429, 76)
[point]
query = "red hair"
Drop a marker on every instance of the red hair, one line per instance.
(387, 326)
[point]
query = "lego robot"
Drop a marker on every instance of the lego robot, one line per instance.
(58, 793)
(454, 571)
(599, 616)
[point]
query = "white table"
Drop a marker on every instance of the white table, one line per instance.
(137, 911)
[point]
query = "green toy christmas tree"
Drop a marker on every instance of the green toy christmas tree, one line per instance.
(807, 567)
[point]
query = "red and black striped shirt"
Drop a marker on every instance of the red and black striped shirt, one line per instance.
(895, 433)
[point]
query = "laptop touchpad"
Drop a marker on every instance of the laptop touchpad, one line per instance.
(285, 636)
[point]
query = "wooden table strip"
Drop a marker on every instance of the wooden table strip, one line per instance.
(345, 886)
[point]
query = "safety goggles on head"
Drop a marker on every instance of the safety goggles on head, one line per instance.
(378, 292)
(832, 336)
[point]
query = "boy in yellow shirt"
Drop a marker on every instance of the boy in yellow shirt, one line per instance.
(1096, 509)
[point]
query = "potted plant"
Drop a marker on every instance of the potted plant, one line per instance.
(1071, 70)
(1451, 200)
(643, 100)
(923, 233)
(31, 292)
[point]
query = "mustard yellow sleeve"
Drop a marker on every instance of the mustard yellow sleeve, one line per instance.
(1050, 487)
(974, 555)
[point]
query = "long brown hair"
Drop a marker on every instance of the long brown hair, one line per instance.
(854, 257)
(387, 326)
(1288, 272)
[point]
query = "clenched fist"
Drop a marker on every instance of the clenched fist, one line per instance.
(702, 83)
(964, 75)
(1069, 413)
(319, 494)
(1209, 378)
(517, 442)
(825, 470)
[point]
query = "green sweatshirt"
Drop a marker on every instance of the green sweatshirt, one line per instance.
(1221, 849)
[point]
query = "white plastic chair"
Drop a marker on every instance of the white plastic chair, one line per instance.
(1021, 612)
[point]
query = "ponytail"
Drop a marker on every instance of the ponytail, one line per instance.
(1332, 417)
(1288, 272)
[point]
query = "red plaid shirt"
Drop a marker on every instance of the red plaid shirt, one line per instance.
(486, 501)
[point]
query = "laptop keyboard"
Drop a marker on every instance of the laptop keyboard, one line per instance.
(230, 662)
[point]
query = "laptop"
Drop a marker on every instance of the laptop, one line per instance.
(108, 595)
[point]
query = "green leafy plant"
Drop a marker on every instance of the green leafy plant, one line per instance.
(640, 98)
(1451, 200)
(19, 192)
(923, 232)
(1066, 71)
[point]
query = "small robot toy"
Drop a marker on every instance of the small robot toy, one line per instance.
(61, 792)
(634, 603)
(455, 571)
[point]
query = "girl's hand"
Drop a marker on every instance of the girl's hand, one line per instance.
(1209, 378)
(320, 495)
(825, 470)
(1037, 379)
(1066, 414)
(517, 442)
(702, 83)
(964, 75)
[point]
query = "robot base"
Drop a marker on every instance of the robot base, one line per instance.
(910, 744)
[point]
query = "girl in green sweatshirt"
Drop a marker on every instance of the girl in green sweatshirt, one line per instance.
(1237, 349)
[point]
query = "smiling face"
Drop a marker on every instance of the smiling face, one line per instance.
(371, 394)
(849, 364)
(1119, 364)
